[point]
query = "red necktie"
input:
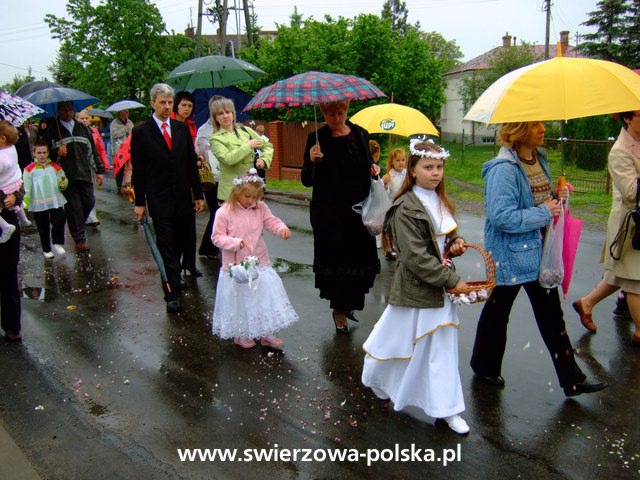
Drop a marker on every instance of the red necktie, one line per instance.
(167, 137)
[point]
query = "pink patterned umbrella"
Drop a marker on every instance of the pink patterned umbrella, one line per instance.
(16, 109)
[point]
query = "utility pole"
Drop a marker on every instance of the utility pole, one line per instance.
(546, 39)
(199, 29)
(247, 21)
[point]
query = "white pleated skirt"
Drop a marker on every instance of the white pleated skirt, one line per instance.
(412, 357)
(244, 311)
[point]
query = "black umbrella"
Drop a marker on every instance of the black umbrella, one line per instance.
(35, 86)
(144, 221)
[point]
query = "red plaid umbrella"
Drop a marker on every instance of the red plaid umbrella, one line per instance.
(312, 87)
(123, 155)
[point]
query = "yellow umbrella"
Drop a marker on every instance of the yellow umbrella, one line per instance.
(394, 118)
(558, 89)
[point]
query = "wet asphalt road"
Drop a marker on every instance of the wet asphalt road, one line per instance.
(108, 385)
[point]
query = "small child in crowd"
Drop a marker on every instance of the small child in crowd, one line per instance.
(393, 180)
(412, 352)
(43, 182)
(10, 177)
(245, 311)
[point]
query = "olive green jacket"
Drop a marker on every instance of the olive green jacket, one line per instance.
(420, 278)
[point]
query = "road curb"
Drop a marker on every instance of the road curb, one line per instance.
(14, 464)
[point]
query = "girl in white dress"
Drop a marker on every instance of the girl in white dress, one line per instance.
(412, 352)
(258, 308)
(393, 180)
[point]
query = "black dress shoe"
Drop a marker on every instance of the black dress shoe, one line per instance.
(13, 336)
(496, 380)
(174, 306)
(343, 329)
(351, 316)
(584, 387)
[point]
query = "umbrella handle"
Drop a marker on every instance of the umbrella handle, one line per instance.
(315, 119)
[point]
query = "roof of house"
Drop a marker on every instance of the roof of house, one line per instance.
(481, 62)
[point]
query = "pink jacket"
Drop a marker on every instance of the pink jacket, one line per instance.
(233, 226)
(102, 151)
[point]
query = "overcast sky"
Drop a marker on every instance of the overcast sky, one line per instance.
(475, 25)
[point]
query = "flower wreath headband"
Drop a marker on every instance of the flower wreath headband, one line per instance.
(251, 176)
(441, 155)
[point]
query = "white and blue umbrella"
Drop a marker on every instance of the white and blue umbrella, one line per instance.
(124, 105)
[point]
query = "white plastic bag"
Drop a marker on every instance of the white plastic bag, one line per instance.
(551, 265)
(374, 208)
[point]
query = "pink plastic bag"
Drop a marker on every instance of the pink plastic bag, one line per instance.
(572, 230)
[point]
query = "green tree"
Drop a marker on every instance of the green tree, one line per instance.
(502, 61)
(115, 49)
(611, 22)
(16, 82)
(632, 36)
(445, 51)
(405, 65)
(396, 11)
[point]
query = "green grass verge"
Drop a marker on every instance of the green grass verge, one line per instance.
(464, 182)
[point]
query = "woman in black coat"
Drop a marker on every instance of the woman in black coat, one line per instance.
(339, 167)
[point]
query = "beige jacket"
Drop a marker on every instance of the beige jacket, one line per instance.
(624, 168)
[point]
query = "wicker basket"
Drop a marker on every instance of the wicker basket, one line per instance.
(479, 290)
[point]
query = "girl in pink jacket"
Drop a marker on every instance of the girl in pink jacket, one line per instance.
(251, 301)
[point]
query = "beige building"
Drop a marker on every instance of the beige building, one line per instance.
(451, 124)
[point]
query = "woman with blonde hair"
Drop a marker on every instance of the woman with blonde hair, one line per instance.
(235, 146)
(519, 203)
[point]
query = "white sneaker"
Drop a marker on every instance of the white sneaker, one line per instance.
(47, 254)
(457, 424)
(59, 249)
(6, 233)
(26, 223)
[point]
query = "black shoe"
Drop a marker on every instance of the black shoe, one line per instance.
(13, 336)
(344, 329)
(351, 316)
(184, 285)
(174, 306)
(496, 380)
(584, 387)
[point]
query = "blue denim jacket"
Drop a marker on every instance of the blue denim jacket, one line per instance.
(512, 226)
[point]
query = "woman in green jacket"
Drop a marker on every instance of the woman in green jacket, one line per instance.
(237, 148)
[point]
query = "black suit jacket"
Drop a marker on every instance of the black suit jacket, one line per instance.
(165, 180)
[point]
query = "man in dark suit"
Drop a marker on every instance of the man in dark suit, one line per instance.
(166, 182)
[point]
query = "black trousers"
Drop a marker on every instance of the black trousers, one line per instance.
(169, 238)
(10, 311)
(50, 225)
(491, 335)
(80, 202)
(187, 238)
(206, 245)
